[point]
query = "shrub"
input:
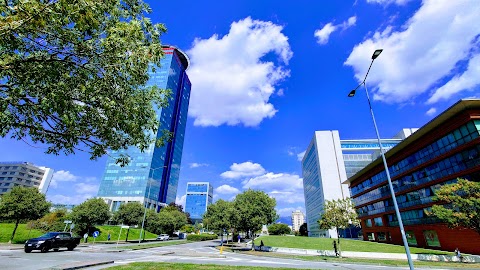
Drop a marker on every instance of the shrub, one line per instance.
(201, 237)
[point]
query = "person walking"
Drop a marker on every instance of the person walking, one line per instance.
(459, 255)
(239, 238)
(335, 247)
(85, 237)
(108, 237)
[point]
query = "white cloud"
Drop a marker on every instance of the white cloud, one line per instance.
(466, 81)
(431, 112)
(181, 200)
(197, 165)
(74, 199)
(323, 34)
(245, 169)
(83, 188)
(288, 196)
(288, 211)
(300, 155)
(231, 78)
(388, 2)
(62, 176)
(226, 189)
(272, 181)
(416, 58)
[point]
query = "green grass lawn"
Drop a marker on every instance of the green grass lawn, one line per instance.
(182, 266)
(133, 234)
(23, 233)
(346, 245)
(399, 263)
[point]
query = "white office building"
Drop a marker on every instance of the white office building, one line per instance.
(24, 174)
(298, 218)
(329, 161)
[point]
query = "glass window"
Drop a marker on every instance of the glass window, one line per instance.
(411, 239)
(378, 221)
(431, 238)
(371, 236)
(368, 222)
(382, 236)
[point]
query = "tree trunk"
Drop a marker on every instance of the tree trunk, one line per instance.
(14, 230)
(339, 249)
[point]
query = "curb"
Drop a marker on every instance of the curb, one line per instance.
(72, 266)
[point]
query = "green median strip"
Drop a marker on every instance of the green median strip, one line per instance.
(154, 245)
(183, 266)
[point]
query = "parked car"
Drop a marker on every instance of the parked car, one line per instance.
(163, 237)
(52, 240)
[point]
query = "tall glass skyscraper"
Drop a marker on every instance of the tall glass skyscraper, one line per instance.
(199, 196)
(151, 177)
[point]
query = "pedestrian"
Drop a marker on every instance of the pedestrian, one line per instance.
(85, 237)
(108, 237)
(335, 247)
(261, 243)
(239, 238)
(458, 254)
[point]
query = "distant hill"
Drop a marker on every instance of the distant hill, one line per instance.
(285, 220)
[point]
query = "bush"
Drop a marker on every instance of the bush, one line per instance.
(201, 237)
(279, 229)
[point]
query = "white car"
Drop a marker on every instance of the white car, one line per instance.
(163, 237)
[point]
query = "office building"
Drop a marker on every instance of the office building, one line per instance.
(24, 174)
(199, 195)
(329, 161)
(298, 218)
(444, 149)
(151, 177)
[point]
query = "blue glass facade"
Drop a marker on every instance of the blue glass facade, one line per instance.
(152, 176)
(199, 196)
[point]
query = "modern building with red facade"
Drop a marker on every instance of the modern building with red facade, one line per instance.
(446, 148)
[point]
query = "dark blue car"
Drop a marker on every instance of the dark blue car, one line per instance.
(52, 240)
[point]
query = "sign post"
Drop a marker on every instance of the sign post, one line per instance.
(95, 235)
(120, 233)
(66, 224)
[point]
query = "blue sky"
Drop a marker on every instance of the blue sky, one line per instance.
(267, 74)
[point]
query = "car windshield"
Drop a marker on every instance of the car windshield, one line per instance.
(49, 235)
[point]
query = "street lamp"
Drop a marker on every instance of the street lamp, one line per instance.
(397, 211)
(149, 186)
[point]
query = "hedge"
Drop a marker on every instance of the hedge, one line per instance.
(201, 237)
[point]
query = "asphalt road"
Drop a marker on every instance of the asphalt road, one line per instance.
(199, 252)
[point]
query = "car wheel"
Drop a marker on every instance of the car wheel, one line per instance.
(55, 249)
(70, 248)
(44, 249)
(27, 250)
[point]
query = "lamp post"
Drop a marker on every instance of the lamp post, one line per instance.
(392, 192)
(145, 212)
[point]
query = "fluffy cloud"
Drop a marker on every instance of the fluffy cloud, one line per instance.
(181, 200)
(62, 176)
(416, 58)
(197, 165)
(323, 34)
(300, 155)
(388, 2)
(431, 112)
(73, 199)
(285, 188)
(226, 189)
(288, 211)
(84, 188)
(234, 76)
(245, 169)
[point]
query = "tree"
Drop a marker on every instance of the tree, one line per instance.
(22, 203)
(73, 75)
(279, 229)
(253, 209)
(303, 230)
(180, 209)
(219, 216)
(338, 214)
(460, 204)
(152, 222)
(52, 221)
(170, 220)
(130, 213)
(90, 213)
